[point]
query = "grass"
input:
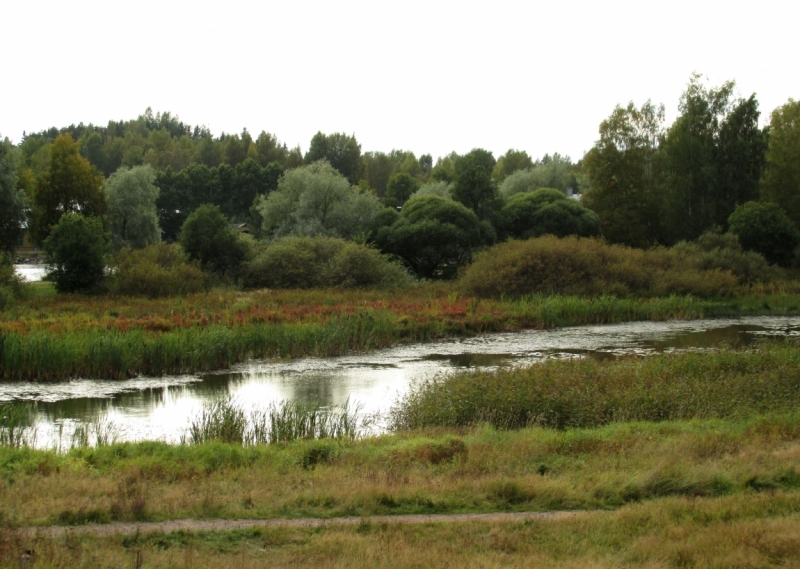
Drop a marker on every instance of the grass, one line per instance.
(754, 531)
(52, 338)
(588, 392)
(227, 421)
(731, 532)
(475, 470)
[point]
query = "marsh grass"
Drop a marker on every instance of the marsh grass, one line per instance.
(588, 392)
(227, 421)
(17, 426)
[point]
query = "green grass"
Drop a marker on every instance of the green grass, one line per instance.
(588, 392)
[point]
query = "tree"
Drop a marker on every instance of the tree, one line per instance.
(714, 156)
(548, 211)
(435, 236)
(781, 181)
(132, 210)
(317, 200)
(510, 162)
(441, 189)
(377, 167)
(13, 201)
(269, 150)
(473, 185)
(76, 248)
(624, 173)
(399, 189)
(343, 152)
(209, 239)
(766, 229)
(70, 185)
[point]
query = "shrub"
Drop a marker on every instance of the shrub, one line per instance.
(435, 236)
(309, 262)
(548, 212)
(157, 270)
(208, 238)
(766, 229)
(588, 267)
(10, 283)
(714, 250)
(76, 249)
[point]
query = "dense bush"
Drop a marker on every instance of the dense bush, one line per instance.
(10, 283)
(435, 236)
(548, 212)
(209, 239)
(723, 251)
(308, 262)
(766, 229)
(77, 248)
(157, 270)
(580, 266)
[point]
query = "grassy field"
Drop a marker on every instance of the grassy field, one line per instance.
(756, 530)
(51, 338)
(712, 482)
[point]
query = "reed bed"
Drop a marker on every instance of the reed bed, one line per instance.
(52, 339)
(587, 393)
(228, 421)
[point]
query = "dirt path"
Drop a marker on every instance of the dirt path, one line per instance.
(120, 528)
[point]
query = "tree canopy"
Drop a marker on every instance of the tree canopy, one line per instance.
(132, 211)
(13, 201)
(77, 247)
(317, 200)
(781, 181)
(548, 211)
(70, 185)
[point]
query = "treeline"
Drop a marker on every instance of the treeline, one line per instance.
(642, 184)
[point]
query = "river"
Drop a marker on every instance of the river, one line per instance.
(159, 408)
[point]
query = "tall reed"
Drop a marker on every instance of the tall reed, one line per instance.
(17, 426)
(227, 421)
(587, 393)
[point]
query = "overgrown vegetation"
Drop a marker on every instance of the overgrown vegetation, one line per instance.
(53, 338)
(320, 262)
(589, 267)
(229, 422)
(589, 392)
(156, 271)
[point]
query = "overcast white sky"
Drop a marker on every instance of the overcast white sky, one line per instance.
(425, 76)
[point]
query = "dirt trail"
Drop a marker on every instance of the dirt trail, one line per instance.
(121, 528)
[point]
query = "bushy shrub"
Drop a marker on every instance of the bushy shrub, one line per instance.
(10, 282)
(435, 236)
(548, 212)
(588, 267)
(158, 270)
(310, 262)
(209, 239)
(714, 250)
(766, 229)
(77, 248)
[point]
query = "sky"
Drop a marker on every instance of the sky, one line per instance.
(426, 76)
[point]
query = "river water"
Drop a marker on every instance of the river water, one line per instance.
(159, 408)
(31, 273)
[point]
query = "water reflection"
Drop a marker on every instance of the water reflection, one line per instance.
(31, 273)
(159, 408)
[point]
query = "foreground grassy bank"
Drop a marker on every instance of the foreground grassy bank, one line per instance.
(476, 470)
(46, 338)
(757, 530)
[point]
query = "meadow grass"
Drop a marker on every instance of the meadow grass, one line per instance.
(590, 392)
(754, 530)
(45, 338)
(435, 471)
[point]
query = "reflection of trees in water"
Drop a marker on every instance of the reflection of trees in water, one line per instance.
(735, 335)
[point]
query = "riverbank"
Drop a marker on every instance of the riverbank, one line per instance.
(52, 338)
